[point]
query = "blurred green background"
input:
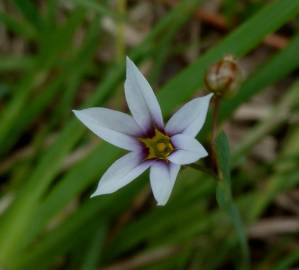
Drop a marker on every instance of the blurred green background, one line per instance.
(59, 55)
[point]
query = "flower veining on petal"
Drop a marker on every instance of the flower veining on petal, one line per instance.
(159, 146)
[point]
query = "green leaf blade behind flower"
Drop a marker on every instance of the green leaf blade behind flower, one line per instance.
(238, 43)
(224, 195)
(61, 153)
(20, 214)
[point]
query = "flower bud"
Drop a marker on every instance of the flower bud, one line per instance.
(223, 77)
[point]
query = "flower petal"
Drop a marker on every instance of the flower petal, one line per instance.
(141, 99)
(162, 178)
(190, 118)
(188, 150)
(120, 173)
(115, 127)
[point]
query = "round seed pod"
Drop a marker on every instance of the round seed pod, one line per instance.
(223, 77)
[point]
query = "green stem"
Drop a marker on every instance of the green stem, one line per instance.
(213, 157)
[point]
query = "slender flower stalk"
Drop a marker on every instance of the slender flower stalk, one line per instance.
(162, 148)
(216, 103)
(222, 79)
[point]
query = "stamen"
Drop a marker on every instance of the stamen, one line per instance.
(159, 146)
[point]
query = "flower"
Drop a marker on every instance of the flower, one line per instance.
(162, 148)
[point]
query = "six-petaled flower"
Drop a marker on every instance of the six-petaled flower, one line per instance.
(152, 144)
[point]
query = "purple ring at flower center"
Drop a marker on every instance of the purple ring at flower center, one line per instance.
(156, 144)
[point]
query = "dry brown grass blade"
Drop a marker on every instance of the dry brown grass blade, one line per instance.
(273, 226)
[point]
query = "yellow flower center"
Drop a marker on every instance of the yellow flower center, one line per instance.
(159, 146)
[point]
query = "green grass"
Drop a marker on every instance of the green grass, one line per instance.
(52, 224)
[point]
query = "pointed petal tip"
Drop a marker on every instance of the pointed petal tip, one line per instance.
(130, 67)
(205, 154)
(79, 114)
(101, 190)
(209, 95)
(161, 204)
(206, 97)
(96, 193)
(76, 112)
(92, 195)
(129, 61)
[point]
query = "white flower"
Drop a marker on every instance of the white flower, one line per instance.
(162, 148)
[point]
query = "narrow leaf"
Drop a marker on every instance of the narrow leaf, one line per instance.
(224, 194)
